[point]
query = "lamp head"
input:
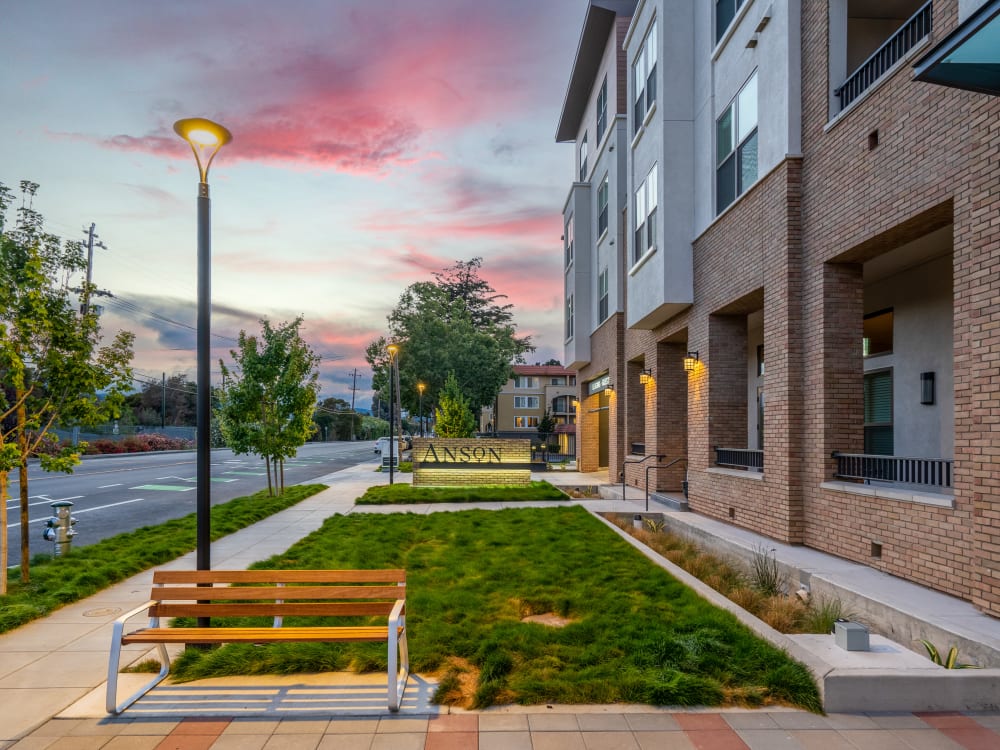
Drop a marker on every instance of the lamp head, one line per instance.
(690, 361)
(646, 377)
(206, 138)
(421, 387)
(393, 350)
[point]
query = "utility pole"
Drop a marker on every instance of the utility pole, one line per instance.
(354, 388)
(91, 244)
(163, 401)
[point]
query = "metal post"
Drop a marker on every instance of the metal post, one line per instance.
(392, 417)
(203, 503)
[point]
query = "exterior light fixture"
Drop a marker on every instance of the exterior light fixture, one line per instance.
(646, 377)
(206, 138)
(609, 389)
(690, 361)
(576, 403)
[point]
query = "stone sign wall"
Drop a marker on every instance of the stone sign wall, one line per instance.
(472, 461)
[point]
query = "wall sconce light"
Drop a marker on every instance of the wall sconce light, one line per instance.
(690, 361)
(927, 387)
(575, 403)
(646, 376)
(609, 389)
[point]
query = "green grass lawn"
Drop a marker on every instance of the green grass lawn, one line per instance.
(407, 494)
(56, 581)
(634, 634)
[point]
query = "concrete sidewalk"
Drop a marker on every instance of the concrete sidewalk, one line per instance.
(52, 673)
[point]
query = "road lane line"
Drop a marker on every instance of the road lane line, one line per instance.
(105, 486)
(84, 510)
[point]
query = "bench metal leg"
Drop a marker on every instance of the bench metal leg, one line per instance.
(114, 664)
(397, 671)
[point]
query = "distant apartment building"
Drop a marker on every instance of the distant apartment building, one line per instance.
(527, 396)
(780, 259)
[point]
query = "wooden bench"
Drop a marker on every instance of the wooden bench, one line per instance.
(268, 593)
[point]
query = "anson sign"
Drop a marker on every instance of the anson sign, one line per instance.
(473, 461)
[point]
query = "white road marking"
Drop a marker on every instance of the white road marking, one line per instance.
(81, 511)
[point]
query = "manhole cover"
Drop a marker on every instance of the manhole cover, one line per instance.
(102, 612)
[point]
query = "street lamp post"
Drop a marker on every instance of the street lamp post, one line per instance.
(393, 350)
(420, 388)
(206, 138)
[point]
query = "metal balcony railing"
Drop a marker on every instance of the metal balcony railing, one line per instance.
(892, 51)
(743, 458)
(932, 472)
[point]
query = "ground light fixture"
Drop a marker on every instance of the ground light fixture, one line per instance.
(206, 138)
(690, 361)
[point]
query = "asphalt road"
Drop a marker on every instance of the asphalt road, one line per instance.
(112, 494)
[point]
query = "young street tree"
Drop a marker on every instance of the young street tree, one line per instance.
(52, 367)
(453, 417)
(268, 397)
(454, 324)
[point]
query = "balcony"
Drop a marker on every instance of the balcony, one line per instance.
(894, 49)
(922, 472)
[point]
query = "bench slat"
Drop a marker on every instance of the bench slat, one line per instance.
(292, 609)
(279, 576)
(258, 635)
(264, 593)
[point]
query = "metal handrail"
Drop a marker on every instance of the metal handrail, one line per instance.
(659, 466)
(888, 54)
(746, 458)
(626, 462)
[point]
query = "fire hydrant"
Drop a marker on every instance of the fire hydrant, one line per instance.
(59, 528)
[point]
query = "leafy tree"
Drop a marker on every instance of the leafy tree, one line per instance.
(335, 420)
(454, 419)
(454, 324)
(267, 402)
(546, 425)
(178, 395)
(52, 367)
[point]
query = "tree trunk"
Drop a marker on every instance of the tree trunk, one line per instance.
(282, 490)
(267, 464)
(3, 532)
(22, 446)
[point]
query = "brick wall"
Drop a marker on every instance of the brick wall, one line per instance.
(478, 469)
(607, 349)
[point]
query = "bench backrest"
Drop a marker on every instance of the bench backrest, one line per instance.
(275, 593)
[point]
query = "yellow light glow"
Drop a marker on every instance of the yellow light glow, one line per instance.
(393, 350)
(203, 137)
(690, 361)
(206, 138)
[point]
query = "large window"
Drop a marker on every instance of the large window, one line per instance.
(602, 207)
(878, 413)
(569, 317)
(525, 381)
(583, 159)
(645, 216)
(725, 12)
(644, 79)
(568, 239)
(525, 402)
(525, 421)
(736, 146)
(602, 110)
(602, 295)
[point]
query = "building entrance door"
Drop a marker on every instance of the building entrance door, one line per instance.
(602, 427)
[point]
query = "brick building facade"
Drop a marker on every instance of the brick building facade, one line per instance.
(822, 239)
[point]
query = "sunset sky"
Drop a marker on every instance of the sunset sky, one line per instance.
(375, 142)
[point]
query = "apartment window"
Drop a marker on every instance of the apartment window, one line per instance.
(645, 216)
(526, 422)
(736, 146)
(525, 402)
(583, 159)
(877, 333)
(725, 12)
(602, 207)
(568, 239)
(525, 381)
(644, 79)
(878, 413)
(602, 110)
(602, 295)
(569, 317)
(557, 381)
(572, 380)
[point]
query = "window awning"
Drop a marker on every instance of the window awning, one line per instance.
(969, 57)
